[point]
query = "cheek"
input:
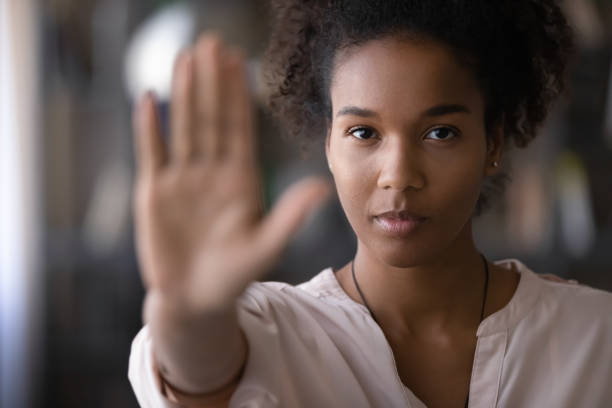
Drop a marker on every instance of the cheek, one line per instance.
(352, 180)
(457, 186)
(355, 181)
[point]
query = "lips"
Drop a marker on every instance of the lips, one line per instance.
(399, 224)
(401, 215)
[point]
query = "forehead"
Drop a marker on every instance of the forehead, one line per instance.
(402, 74)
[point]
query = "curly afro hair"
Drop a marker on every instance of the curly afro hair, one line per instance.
(518, 50)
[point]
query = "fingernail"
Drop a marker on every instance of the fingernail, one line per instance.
(147, 103)
(210, 42)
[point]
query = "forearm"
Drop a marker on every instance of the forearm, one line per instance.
(195, 353)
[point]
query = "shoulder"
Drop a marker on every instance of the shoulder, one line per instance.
(556, 331)
(577, 300)
(546, 307)
(558, 336)
(313, 309)
(560, 306)
(319, 291)
(557, 294)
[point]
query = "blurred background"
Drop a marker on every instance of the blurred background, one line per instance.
(70, 292)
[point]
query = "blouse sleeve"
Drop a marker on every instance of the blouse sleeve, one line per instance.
(152, 392)
(143, 376)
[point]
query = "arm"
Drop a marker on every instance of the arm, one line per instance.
(183, 346)
(200, 232)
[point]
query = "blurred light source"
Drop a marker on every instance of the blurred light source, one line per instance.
(150, 55)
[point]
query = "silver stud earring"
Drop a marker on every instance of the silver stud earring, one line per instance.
(495, 164)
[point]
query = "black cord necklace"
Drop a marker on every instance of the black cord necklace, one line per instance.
(482, 310)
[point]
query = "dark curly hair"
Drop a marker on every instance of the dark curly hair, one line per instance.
(518, 50)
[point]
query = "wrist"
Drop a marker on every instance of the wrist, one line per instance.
(173, 312)
(195, 351)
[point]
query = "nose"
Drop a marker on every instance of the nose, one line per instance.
(400, 167)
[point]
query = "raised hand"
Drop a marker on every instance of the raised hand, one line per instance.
(201, 234)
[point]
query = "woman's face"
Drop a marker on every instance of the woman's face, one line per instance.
(407, 147)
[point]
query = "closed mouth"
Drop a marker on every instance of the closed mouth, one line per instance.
(399, 224)
(401, 215)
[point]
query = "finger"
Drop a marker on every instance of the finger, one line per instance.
(290, 213)
(209, 95)
(239, 115)
(181, 107)
(150, 149)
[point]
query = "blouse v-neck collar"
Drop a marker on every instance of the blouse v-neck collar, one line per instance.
(492, 332)
(524, 298)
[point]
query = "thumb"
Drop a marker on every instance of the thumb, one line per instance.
(290, 212)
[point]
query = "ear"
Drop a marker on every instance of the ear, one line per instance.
(495, 148)
(327, 142)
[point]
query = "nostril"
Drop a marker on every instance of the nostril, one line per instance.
(401, 168)
(402, 182)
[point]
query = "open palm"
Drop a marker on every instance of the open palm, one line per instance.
(201, 233)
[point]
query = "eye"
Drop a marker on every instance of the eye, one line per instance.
(442, 133)
(362, 133)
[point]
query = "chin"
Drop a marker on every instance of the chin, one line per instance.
(425, 247)
(403, 254)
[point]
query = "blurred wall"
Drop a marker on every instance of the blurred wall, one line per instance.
(21, 291)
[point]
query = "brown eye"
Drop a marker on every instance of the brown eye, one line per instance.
(361, 133)
(441, 133)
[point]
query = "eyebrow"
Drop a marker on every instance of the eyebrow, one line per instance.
(442, 110)
(438, 110)
(355, 111)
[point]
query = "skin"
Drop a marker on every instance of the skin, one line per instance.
(425, 287)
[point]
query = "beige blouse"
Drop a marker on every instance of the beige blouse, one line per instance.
(312, 346)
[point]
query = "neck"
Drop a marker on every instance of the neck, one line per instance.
(442, 294)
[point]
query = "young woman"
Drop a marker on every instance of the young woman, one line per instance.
(416, 102)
